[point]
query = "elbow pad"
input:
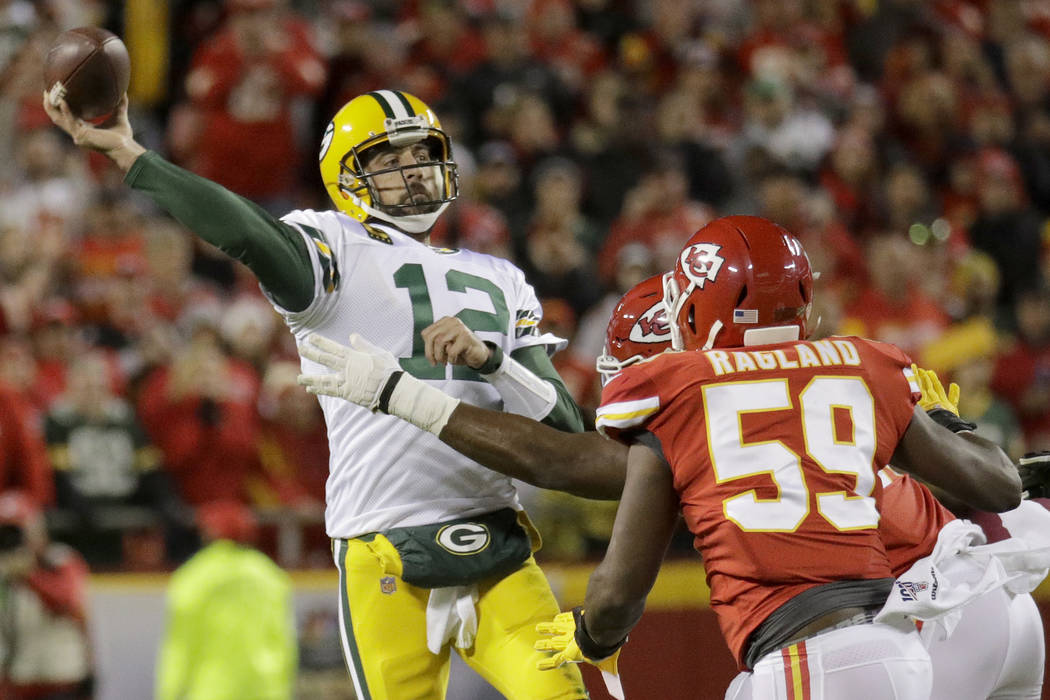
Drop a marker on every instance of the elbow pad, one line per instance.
(522, 391)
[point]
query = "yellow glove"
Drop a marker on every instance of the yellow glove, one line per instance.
(933, 394)
(563, 642)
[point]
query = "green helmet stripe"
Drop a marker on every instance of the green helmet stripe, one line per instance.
(388, 109)
(405, 102)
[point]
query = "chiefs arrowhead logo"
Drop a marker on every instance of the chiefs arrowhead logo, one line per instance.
(701, 263)
(651, 327)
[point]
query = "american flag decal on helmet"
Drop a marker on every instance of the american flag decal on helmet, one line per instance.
(526, 322)
(745, 315)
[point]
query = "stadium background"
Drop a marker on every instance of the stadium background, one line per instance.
(906, 142)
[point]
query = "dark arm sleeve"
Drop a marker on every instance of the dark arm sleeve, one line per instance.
(566, 414)
(273, 250)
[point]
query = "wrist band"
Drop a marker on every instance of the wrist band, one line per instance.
(588, 647)
(383, 405)
(495, 358)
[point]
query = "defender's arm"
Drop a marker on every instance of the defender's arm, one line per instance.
(964, 465)
(583, 464)
(645, 521)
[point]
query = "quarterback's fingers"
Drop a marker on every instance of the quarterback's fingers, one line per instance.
(456, 350)
(953, 394)
(51, 109)
(431, 347)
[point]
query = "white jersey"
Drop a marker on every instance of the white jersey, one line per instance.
(388, 287)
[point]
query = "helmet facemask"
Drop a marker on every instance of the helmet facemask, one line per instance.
(430, 185)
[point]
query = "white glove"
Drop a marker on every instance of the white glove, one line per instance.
(371, 377)
(361, 371)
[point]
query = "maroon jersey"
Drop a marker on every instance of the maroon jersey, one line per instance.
(774, 452)
(912, 517)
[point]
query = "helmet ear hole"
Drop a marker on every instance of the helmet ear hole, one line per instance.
(802, 292)
(743, 295)
(691, 318)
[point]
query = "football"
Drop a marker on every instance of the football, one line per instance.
(90, 68)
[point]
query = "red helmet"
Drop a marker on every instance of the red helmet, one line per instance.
(638, 328)
(737, 278)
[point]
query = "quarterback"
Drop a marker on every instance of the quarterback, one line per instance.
(434, 551)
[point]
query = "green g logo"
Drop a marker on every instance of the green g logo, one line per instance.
(463, 538)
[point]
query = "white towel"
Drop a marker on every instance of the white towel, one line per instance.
(961, 568)
(451, 614)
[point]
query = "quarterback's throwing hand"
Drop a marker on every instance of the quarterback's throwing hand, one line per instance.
(359, 371)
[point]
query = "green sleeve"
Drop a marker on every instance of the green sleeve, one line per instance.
(273, 250)
(566, 414)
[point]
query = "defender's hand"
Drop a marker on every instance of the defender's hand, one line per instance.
(563, 643)
(448, 340)
(933, 393)
(360, 371)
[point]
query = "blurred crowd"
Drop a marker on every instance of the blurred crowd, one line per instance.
(906, 142)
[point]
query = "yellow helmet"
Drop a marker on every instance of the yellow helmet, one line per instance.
(375, 119)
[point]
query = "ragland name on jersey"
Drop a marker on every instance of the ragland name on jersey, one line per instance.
(774, 451)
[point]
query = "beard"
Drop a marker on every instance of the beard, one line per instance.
(417, 199)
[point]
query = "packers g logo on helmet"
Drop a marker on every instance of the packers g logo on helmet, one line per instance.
(375, 119)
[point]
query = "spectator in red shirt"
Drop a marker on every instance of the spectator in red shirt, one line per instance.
(894, 308)
(200, 412)
(243, 83)
(657, 213)
(556, 41)
(293, 444)
(23, 456)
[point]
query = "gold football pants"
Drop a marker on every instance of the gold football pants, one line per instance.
(383, 630)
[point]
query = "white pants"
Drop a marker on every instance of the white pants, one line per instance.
(996, 651)
(873, 661)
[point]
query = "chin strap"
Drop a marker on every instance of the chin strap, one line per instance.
(522, 391)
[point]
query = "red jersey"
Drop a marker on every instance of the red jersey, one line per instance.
(774, 451)
(912, 517)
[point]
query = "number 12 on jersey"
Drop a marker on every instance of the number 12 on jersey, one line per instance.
(734, 457)
(410, 276)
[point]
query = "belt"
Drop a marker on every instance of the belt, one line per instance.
(837, 619)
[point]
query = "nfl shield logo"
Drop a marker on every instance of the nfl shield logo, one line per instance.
(387, 584)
